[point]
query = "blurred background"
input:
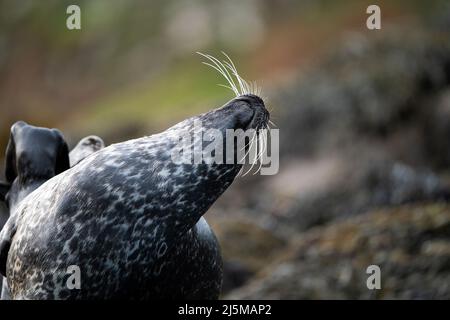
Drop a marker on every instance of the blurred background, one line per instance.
(364, 119)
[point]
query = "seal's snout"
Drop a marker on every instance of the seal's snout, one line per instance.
(241, 114)
(251, 112)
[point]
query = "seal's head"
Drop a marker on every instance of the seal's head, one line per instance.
(244, 112)
(85, 148)
(33, 156)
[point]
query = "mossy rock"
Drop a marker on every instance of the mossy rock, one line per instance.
(410, 244)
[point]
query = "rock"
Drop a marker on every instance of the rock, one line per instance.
(366, 87)
(367, 127)
(410, 244)
(246, 248)
(235, 274)
(400, 184)
(315, 192)
(437, 129)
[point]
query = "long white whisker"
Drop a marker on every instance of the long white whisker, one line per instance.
(258, 90)
(252, 157)
(255, 88)
(248, 151)
(248, 143)
(256, 159)
(251, 87)
(225, 86)
(266, 138)
(219, 69)
(224, 75)
(259, 141)
(260, 154)
(229, 71)
(241, 81)
(228, 75)
(218, 66)
(263, 143)
(233, 68)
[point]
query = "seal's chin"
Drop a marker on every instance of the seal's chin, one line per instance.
(247, 112)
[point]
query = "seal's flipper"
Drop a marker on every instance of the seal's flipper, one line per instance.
(6, 236)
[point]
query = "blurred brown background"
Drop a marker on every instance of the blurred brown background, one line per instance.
(364, 120)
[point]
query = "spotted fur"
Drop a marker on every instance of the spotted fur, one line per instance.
(130, 218)
(33, 156)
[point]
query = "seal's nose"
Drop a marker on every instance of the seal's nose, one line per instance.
(244, 112)
(260, 113)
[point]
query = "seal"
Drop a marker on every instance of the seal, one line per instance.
(33, 156)
(129, 218)
(42, 148)
(44, 154)
(85, 148)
